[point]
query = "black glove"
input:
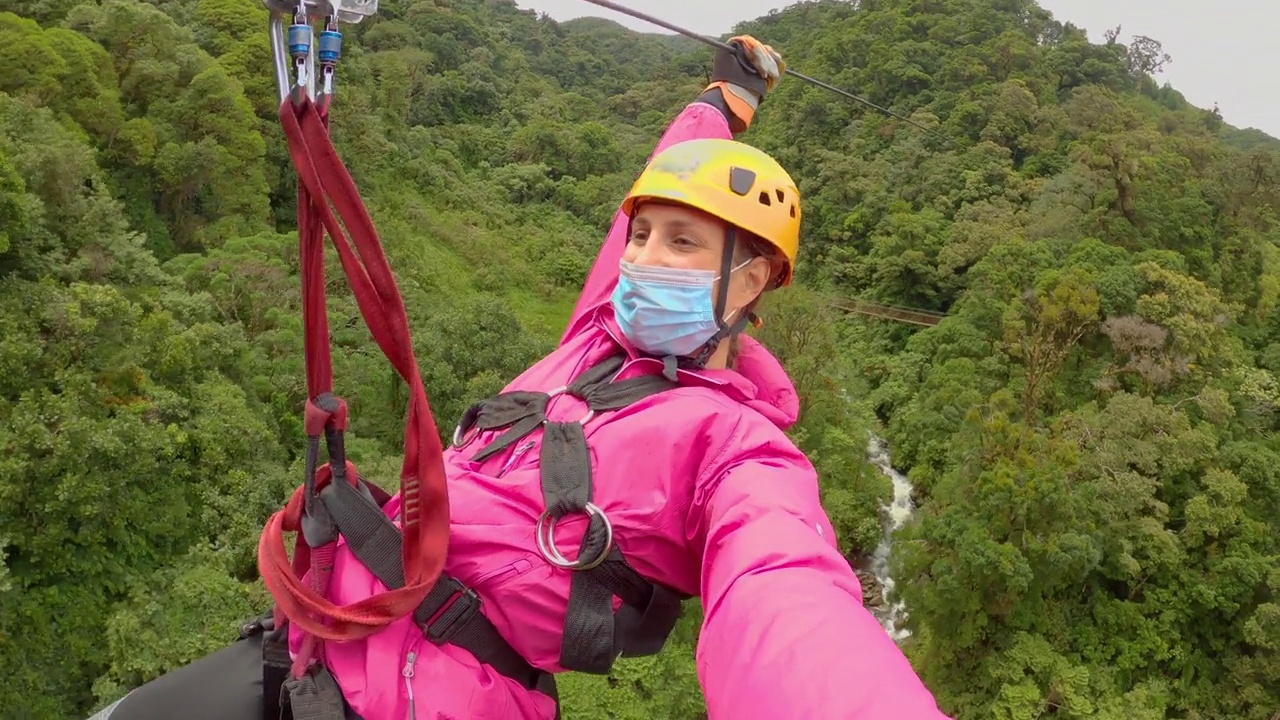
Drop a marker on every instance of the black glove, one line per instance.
(741, 78)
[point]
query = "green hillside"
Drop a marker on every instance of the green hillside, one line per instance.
(1092, 431)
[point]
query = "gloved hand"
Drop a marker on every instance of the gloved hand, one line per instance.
(763, 59)
(744, 76)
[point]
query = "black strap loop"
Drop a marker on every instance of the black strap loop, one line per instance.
(314, 696)
(275, 667)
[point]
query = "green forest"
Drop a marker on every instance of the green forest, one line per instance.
(1092, 429)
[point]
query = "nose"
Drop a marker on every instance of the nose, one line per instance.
(653, 253)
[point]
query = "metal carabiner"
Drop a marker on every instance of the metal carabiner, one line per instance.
(291, 47)
(329, 51)
(304, 61)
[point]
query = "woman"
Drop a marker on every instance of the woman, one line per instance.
(653, 440)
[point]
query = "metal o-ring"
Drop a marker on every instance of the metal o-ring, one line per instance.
(544, 534)
(460, 440)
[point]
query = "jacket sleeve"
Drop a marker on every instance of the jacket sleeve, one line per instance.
(785, 634)
(699, 119)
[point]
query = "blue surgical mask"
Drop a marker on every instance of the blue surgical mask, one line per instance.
(666, 311)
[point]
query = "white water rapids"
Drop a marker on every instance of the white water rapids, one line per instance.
(895, 514)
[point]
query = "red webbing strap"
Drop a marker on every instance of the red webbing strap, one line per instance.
(319, 373)
(425, 511)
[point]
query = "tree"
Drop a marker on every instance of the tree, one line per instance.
(1046, 328)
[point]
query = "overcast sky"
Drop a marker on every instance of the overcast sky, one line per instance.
(1224, 51)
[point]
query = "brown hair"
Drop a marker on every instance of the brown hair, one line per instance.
(747, 247)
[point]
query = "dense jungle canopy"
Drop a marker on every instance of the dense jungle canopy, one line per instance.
(1092, 430)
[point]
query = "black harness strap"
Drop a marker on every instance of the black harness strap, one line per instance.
(451, 611)
(314, 696)
(275, 660)
(593, 636)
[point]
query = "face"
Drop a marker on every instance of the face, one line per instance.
(673, 236)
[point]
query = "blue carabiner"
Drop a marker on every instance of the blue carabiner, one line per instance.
(329, 52)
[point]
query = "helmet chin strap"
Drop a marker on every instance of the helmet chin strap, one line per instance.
(700, 358)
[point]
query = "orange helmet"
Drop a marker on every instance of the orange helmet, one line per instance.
(733, 181)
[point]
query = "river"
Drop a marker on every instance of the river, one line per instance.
(894, 514)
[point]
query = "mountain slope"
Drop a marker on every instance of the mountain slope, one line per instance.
(1092, 431)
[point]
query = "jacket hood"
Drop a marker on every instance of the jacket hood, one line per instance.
(775, 395)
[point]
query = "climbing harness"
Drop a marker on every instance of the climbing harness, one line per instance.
(725, 46)
(593, 635)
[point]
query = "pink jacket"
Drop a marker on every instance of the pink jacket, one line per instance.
(716, 504)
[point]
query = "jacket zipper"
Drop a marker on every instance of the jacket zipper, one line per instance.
(501, 573)
(407, 672)
(511, 461)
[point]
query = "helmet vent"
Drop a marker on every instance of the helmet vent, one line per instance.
(793, 209)
(781, 197)
(764, 198)
(741, 180)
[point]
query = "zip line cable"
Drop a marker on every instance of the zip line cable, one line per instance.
(726, 46)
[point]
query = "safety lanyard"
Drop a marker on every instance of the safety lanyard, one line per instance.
(323, 181)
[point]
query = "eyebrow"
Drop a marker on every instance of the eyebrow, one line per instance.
(675, 225)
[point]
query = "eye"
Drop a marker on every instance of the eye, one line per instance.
(638, 236)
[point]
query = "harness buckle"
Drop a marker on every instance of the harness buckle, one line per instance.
(544, 534)
(454, 616)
